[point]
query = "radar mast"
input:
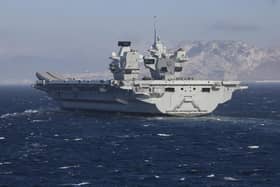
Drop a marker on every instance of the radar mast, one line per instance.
(155, 31)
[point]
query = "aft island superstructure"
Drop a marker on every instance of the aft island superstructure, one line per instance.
(164, 92)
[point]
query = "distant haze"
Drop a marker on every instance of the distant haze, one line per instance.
(71, 36)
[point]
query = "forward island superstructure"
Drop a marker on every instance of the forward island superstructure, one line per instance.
(164, 92)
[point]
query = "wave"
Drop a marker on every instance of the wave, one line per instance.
(5, 163)
(3, 116)
(164, 135)
(38, 121)
(15, 114)
(68, 167)
(28, 112)
(231, 179)
(210, 175)
(78, 184)
(253, 147)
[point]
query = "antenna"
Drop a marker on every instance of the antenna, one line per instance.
(155, 31)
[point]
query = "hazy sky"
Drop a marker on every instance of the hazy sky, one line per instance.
(79, 35)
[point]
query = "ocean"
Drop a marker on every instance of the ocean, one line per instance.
(237, 145)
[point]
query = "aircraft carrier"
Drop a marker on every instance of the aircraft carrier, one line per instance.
(164, 92)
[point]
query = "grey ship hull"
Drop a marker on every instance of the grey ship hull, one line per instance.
(93, 97)
(145, 97)
(116, 100)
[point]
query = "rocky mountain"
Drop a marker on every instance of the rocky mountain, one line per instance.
(226, 60)
(231, 60)
(221, 60)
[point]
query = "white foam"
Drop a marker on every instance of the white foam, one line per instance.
(37, 121)
(156, 176)
(146, 125)
(68, 167)
(8, 115)
(30, 111)
(230, 179)
(182, 179)
(14, 114)
(211, 176)
(78, 139)
(159, 118)
(164, 135)
(253, 147)
(78, 184)
(5, 163)
(2, 138)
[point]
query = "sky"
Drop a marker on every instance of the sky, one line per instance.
(79, 35)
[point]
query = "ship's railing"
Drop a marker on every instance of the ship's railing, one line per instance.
(100, 82)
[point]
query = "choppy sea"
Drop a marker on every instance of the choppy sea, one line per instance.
(237, 145)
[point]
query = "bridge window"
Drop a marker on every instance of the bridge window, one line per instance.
(163, 69)
(170, 89)
(127, 71)
(205, 89)
(178, 69)
(124, 43)
(149, 61)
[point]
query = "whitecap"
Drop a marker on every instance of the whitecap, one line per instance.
(2, 138)
(78, 139)
(30, 111)
(37, 121)
(159, 118)
(211, 176)
(3, 116)
(14, 114)
(253, 147)
(182, 179)
(156, 176)
(78, 184)
(164, 135)
(231, 179)
(68, 167)
(5, 163)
